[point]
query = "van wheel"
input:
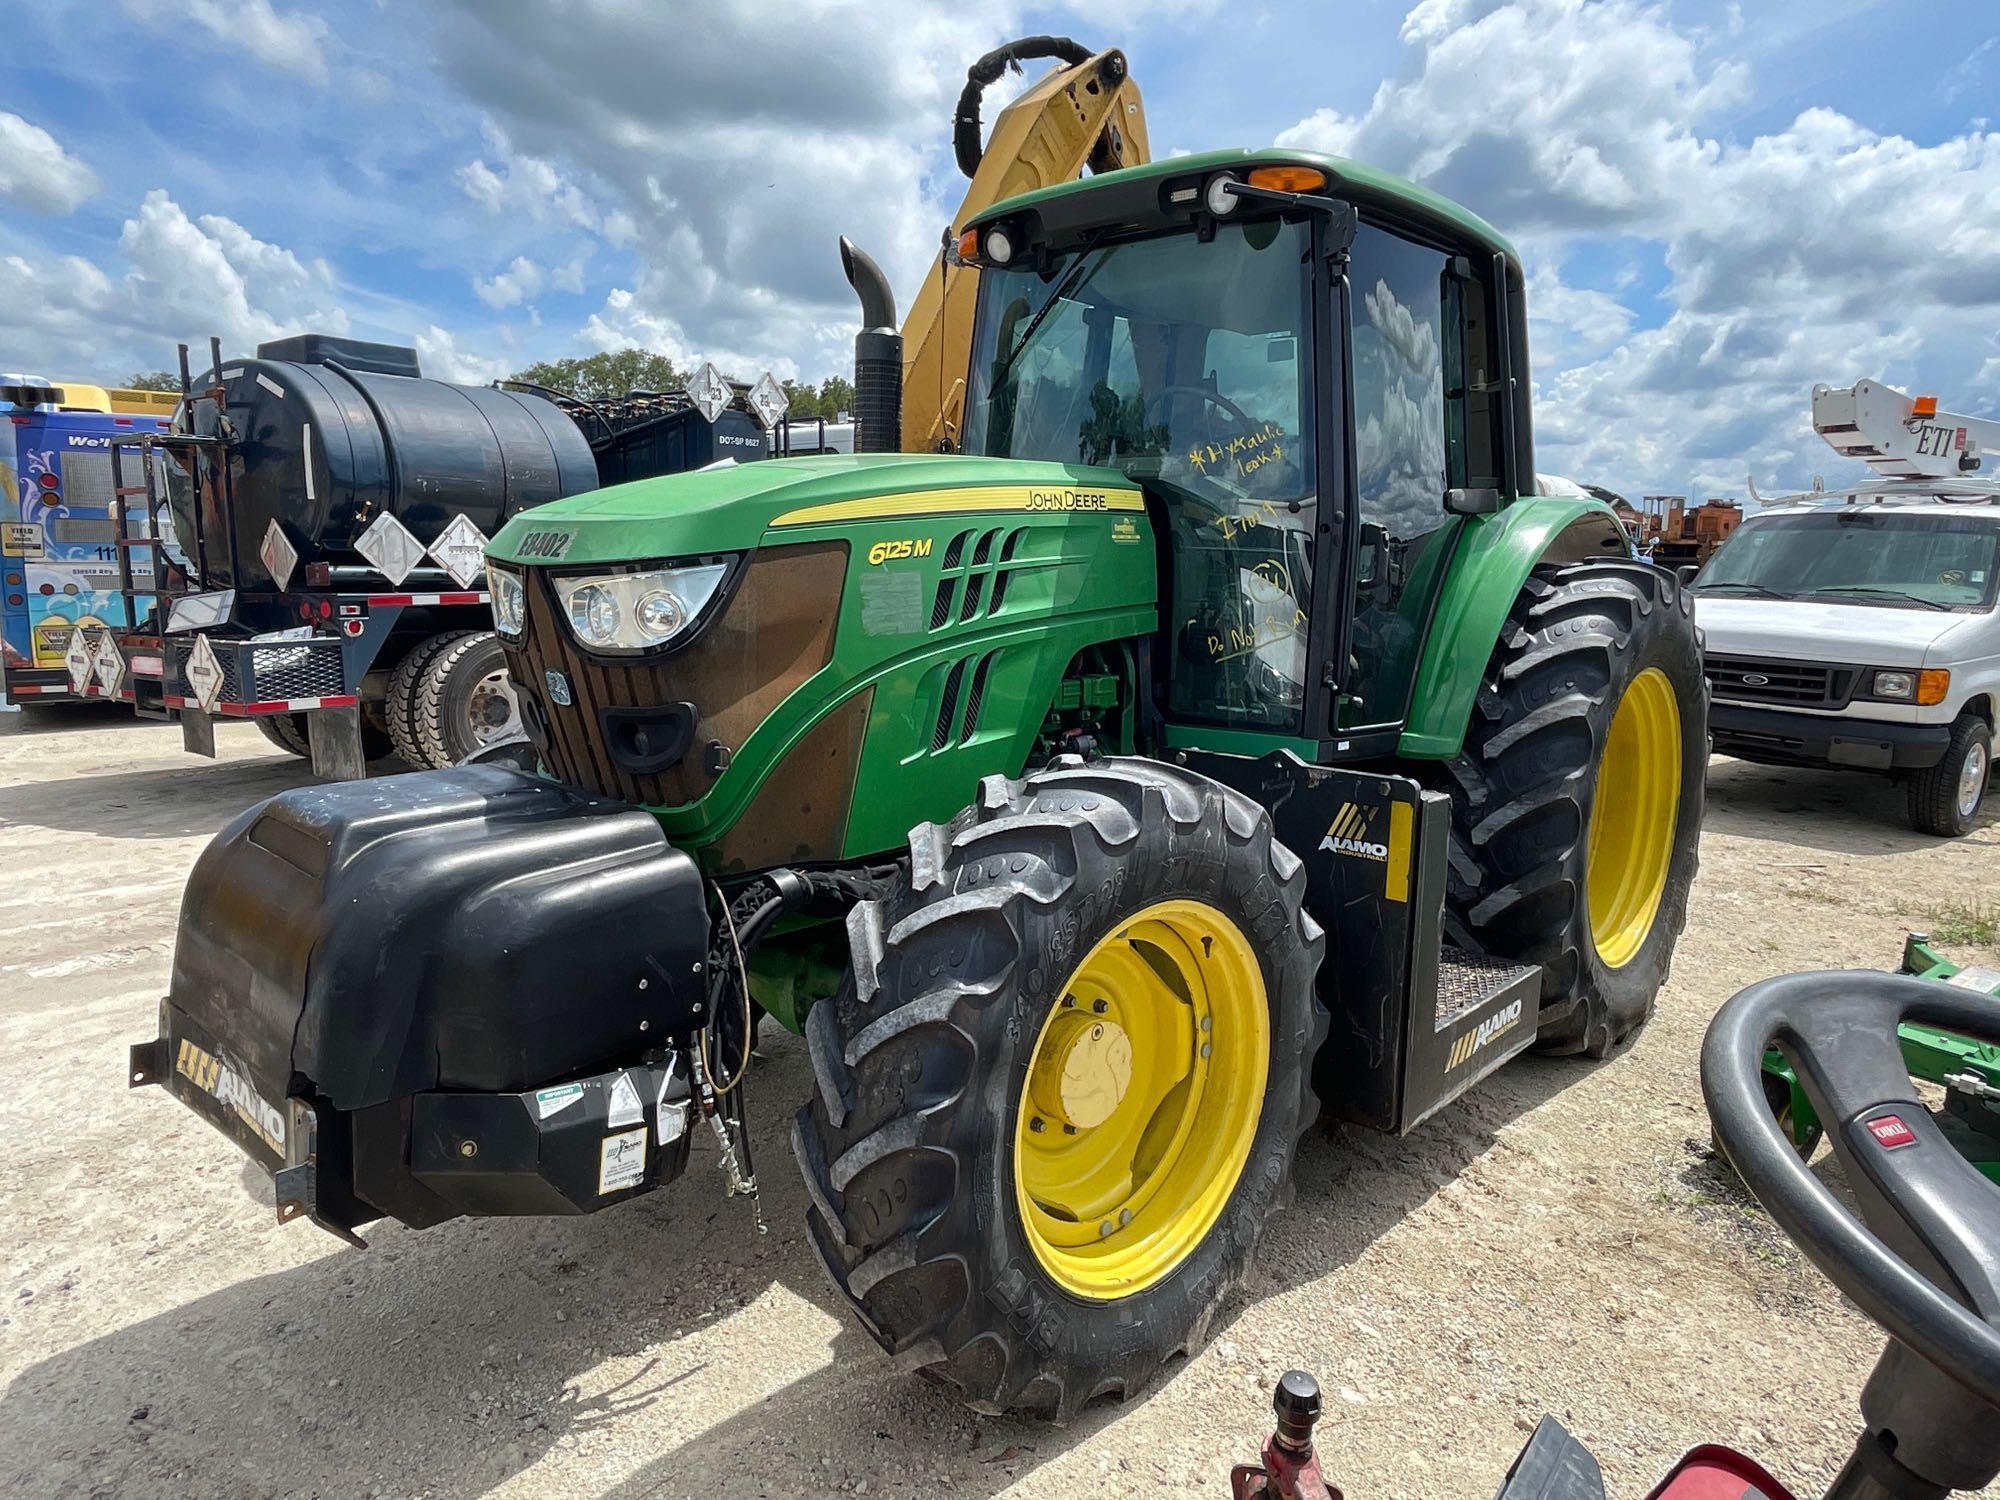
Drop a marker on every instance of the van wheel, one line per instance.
(1945, 798)
(1060, 1091)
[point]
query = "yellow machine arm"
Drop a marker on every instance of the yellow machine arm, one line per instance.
(1085, 115)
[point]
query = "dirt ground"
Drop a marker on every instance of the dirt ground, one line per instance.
(1557, 1241)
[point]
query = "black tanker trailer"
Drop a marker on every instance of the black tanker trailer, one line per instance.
(319, 514)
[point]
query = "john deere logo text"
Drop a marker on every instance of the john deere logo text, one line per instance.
(547, 544)
(1468, 1046)
(211, 1074)
(1349, 834)
(1068, 500)
(902, 547)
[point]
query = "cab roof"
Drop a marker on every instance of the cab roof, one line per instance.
(1358, 183)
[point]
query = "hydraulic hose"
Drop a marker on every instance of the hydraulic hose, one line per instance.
(968, 135)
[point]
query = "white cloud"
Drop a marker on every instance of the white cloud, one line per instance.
(441, 358)
(728, 183)
(36, 172)
(287, 40)
(182, 279)
(522, 281)
(1822, 251)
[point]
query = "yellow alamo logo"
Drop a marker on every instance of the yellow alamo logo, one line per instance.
(211, 1074)
(1468, 1045)
(1350, 831)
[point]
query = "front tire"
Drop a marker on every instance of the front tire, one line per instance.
(1945, 798)
(1059, 1094)
(1577, 798)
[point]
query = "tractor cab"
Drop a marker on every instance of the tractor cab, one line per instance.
(1311, 386)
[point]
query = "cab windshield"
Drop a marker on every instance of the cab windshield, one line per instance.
(1861, 555)
(1185, 364)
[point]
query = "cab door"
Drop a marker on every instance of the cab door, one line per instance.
(1422, 389)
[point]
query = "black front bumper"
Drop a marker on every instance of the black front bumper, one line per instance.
(462, 992)
(1777, 737)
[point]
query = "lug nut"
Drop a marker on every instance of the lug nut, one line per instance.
(1037, 1124)
(1068, 1129)
(468, 1148)
(1206, 1049)
(1206, 1022)
(1105, 1228)
(1100, 1006)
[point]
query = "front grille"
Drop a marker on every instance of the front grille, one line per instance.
(1790, 684)
(775, 630)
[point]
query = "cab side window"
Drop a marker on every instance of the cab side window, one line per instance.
(1422, 424)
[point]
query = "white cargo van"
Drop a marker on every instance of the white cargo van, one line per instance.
(1859, 630)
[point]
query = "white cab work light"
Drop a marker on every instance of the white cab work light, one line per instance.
(1221, 198)
(999, 247)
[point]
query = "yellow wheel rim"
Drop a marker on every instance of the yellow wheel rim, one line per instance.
(1632, 818)
(1142, 1098)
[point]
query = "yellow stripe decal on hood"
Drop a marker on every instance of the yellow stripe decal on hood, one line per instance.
(1056, 499)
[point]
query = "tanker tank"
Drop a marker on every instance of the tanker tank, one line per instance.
(327, 434)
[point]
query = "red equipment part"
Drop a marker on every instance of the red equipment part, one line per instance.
(1290, 1470)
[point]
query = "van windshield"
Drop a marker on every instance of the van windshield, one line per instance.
(1862, 556)
(1185, 363)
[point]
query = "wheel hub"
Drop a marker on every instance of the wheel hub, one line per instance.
(1088, 1070)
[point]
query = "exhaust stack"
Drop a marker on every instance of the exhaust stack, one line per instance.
(878, 355)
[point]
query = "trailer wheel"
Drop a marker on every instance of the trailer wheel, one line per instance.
(287, 732)
(465, 701)
(1060, 1091)
(1577, 798)
(401, 701)
(1945, 798)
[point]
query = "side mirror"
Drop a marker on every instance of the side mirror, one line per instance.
(1480, 502)
(1686, 573)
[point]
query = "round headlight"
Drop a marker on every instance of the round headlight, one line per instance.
(660, 615)
(1219, 197)
(999, 247)
(593, 612)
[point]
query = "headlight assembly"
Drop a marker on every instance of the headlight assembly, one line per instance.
(637, 611)
(1894, 684)
(510, 601)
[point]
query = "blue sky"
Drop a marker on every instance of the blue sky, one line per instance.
(1719, 204)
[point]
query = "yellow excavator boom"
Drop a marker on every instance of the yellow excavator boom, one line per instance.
(1084, 116)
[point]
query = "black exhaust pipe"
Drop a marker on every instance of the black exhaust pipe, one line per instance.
(878, 356)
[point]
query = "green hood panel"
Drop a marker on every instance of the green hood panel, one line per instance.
(733, 509)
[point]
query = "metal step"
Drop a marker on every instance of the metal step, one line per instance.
(1467, 981)
(1486, 1013)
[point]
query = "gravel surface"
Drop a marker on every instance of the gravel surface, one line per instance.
(1558, 1240)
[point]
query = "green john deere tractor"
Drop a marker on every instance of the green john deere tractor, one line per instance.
(1228, 735)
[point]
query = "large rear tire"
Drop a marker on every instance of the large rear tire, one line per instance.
(1060, 1092)
(1577, 798)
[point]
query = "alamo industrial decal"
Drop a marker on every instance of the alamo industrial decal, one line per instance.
(1352, 832)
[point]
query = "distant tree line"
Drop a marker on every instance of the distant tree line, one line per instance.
(600, 377)
(154, 380)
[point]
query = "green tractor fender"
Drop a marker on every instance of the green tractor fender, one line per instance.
(1491, 559)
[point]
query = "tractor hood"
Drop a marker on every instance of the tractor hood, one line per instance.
(886, 630)
(734, 509)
